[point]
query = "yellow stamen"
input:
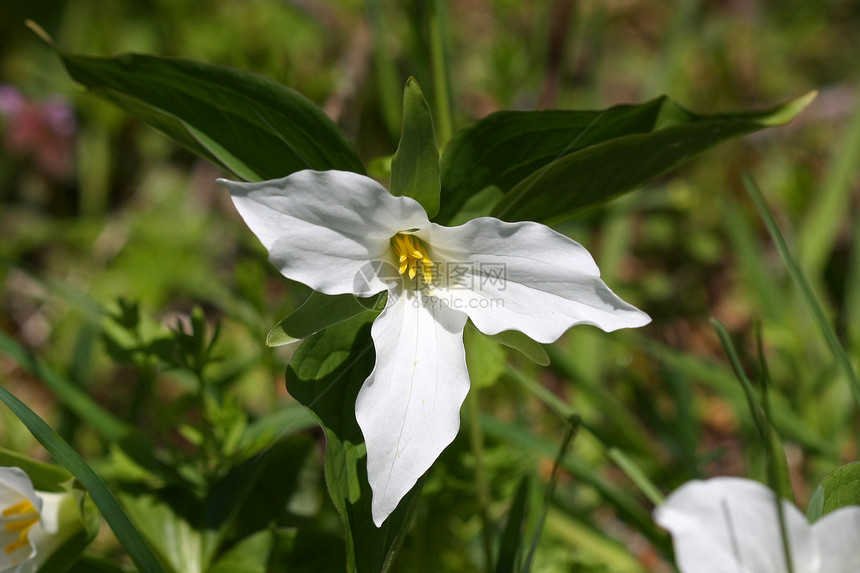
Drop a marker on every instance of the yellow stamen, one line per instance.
(410, 252)
(23, 509)
(20, 508)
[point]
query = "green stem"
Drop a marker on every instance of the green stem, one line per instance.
(565, 411)
(803, 284)
(482, 488)
(444, 127)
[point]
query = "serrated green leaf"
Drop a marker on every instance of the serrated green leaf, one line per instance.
(841, 488)
(593, 175)
(319, 312)
(247, 124)
(415, 166)
(325, 375)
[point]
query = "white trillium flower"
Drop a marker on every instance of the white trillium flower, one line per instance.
(31, 522)
(340, 232)
(731, 525)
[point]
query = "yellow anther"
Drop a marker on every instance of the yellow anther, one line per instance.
(22, 524)
(23, 509)
(410, 252)
(20, 542)
(20, 508)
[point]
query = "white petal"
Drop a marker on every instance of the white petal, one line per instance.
(838, 537)
(324, 228)
(730, 525)
(15, 486)
(525, 276)
(409, 407)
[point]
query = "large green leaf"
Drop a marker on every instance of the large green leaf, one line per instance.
(325, 375)
(552, 164)
(602, 171)
(415, 166)
(840, 488)
(505, 147)
(319, 312)
(246, 123)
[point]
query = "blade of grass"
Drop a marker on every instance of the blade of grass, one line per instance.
(388, 84)
(626, 506)
(720, 379)
(745, 246)
(482, 486)
(566, 412)
(68, 393)
(512, 537)
(819, 229)
(573, 424)
(777, 465)
(439, 61)
(108, 505)
(735, 361)
(800, 279)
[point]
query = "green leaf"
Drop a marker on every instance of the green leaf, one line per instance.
(841, 488)
(45, 477)
(415, 167)
(90, 564)
(523, 344)
(815, 508)
(167, 519)
(284, 421)
(319, 312)
(595, 174)
(245, 123)
(188, 530)
(506, 147)
(250, 555)
(104, 499)
(485, 359)
(325, 375)
(510, 149)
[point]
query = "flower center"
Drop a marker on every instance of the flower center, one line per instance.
(411, 254)
(24, 516)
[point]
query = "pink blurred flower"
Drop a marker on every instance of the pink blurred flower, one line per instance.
(43, 132)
